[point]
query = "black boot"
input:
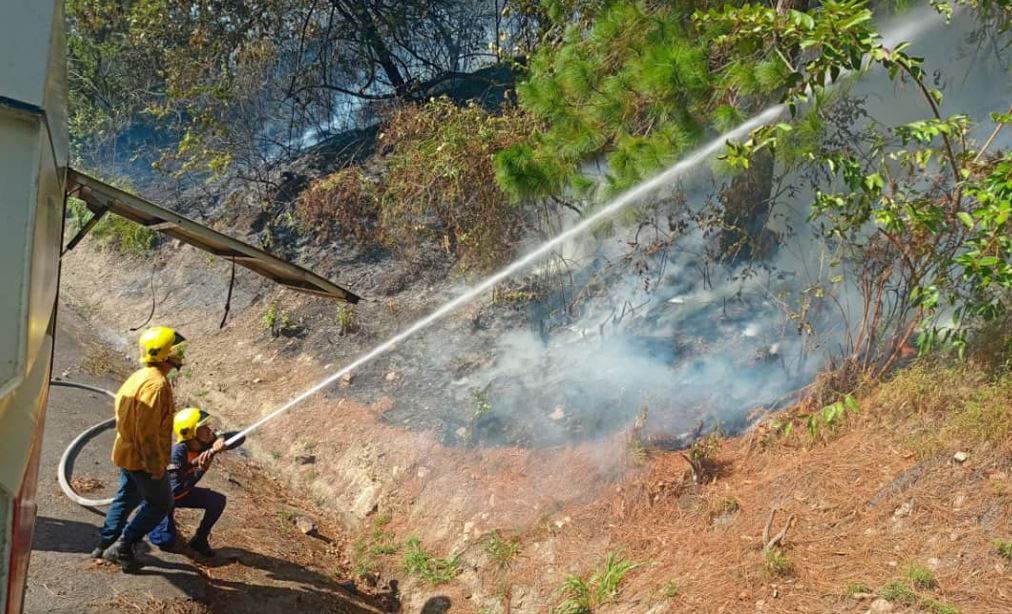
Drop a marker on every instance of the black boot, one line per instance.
(200, 545)
(122, 553)
(99, 549)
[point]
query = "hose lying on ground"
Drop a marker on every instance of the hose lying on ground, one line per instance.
(75, 447)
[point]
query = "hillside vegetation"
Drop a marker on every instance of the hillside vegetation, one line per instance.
(833, 288)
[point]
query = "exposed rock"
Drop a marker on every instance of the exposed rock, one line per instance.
(960, 457)
(392, 376)
(558, 414)
(880, 605)
(307, 526)
(903, 510)
(305, 459)
(345, 382)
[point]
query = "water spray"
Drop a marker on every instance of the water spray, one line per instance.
(616, 205)
(911, 28)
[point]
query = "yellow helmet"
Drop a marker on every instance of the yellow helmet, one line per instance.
(186, 421)
(161, 344)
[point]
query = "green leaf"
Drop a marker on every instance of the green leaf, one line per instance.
(966, 218)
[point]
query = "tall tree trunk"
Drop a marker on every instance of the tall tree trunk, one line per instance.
(747, 200)
(747, 204)
(359, 14)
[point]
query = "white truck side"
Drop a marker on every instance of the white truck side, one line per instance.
(33, 166)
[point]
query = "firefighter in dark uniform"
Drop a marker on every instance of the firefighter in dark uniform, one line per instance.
(195, 449)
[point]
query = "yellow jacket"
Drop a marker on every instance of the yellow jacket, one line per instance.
(144, 408)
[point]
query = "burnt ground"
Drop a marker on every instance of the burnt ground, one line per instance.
(869, 502)
(265, 563)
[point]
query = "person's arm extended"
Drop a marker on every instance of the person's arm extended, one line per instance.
(155, 430)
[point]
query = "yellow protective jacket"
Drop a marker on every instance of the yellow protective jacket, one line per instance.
(144, 409)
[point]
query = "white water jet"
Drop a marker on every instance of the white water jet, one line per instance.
(909, 28)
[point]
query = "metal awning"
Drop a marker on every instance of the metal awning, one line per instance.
(103, 198)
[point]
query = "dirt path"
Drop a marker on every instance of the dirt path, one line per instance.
(265, 564)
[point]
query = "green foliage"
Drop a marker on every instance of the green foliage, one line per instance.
(858, 588)
(228, 84)
(269, 319)
(628, 81)
(437, 187)
(670, 590)
(502, 550)
(921, 577)
(937, 607)
(370, 546)
(112, 231)
(346, 319)
(826, 422)
(482, 403)
(900, 593)
(1003, 547)
(705, 448)
(938, 207)
(440, 185)
(286, 515)
(277, 321)
(434, 570)
(586, 594)
(776, 564)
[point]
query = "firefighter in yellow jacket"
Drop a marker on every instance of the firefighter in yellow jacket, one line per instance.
(144, 411)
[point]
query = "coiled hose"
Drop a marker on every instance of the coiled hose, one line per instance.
(75, 447)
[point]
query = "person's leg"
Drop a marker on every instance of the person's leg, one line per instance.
(213, 504)
(156, 503)
(124, 501)
(164, 534)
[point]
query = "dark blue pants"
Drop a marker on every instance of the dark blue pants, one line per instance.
(151, 498)
(213, 504)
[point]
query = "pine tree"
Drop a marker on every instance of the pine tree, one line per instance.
(636, 84)
(629, 82)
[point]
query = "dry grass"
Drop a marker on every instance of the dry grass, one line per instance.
(101, 360)
(84, 486)
(127, 602)
(882, 493)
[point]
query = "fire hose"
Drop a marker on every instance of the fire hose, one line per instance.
(70, 454)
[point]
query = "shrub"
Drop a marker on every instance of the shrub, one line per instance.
(776, 563)
(583, 595)
(344, 204)
(434, 570)
(921, 577)
(112, 231)
(440, 182)
(899, 592)
(501, 549)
